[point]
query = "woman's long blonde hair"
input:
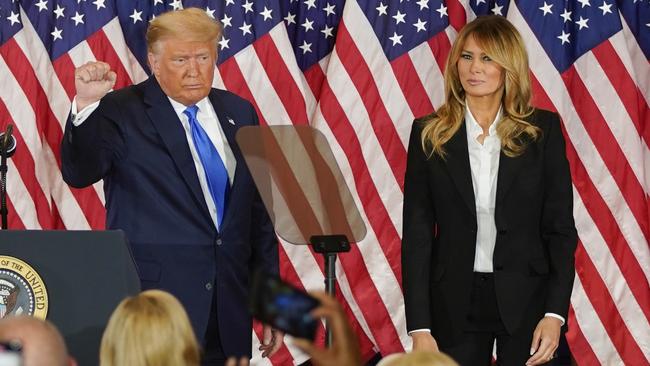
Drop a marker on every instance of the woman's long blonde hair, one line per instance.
(151, 328)
(504, 45)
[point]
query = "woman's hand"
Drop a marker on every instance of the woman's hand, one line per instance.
(546, 338)
(424, 341)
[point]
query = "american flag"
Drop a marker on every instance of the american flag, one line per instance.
(360, 72)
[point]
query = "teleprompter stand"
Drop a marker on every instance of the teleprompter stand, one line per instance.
(304, 192)
(329, 246)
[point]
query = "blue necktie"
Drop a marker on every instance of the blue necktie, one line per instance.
(215, 171)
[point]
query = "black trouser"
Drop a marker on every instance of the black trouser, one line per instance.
(213, 352)
(485, 326)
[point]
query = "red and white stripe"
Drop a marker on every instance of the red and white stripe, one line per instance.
(364, 105)
(606, 151)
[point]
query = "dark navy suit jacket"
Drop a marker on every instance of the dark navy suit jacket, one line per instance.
(135, 142)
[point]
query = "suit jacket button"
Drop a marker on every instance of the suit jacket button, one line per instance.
(208, 286)
(218, 242)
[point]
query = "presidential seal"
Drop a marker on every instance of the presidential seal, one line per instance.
(22, 291)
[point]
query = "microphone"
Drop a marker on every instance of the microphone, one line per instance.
(8, 141)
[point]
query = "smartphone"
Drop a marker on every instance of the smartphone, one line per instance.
(283, 306)
(11, 354)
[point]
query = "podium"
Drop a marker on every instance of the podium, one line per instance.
(76, 279)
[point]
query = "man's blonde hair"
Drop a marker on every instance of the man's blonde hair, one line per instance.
(151, 328)
(191, 24)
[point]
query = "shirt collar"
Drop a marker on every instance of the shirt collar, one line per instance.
(474, 129)
(179, 108)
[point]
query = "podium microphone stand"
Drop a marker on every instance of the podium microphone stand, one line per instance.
(7, 149)
(304, 192)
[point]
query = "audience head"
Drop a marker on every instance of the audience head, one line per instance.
(41, 342)
(151, 328)
(420, 358)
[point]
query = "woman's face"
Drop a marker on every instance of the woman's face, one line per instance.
(480, 76)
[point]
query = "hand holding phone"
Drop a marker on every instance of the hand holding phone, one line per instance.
(344, 350)
(283, 306)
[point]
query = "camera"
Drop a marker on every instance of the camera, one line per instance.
(283, 306)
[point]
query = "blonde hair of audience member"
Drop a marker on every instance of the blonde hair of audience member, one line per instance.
(503, 44)
(42, 344)
(151, 328)
(422, 358)
(191, 24)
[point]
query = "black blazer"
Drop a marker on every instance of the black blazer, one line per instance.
(536, 237)
(135, 142)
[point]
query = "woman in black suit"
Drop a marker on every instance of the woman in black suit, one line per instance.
(489, 238)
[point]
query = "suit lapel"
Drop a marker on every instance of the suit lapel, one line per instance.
(229, 128)
(458, 165)
(165, 121)
(508, 170)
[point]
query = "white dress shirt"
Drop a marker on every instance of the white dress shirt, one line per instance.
(484, 164)
(209, 122)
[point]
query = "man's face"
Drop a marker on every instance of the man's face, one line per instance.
(184, 69)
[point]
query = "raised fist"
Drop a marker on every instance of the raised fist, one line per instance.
(92, 81)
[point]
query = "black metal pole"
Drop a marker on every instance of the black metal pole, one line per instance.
(3, 186)
(328, 246)
(7, 147)
(330, 288)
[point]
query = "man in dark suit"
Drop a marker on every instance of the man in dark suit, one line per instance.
(175, 180)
